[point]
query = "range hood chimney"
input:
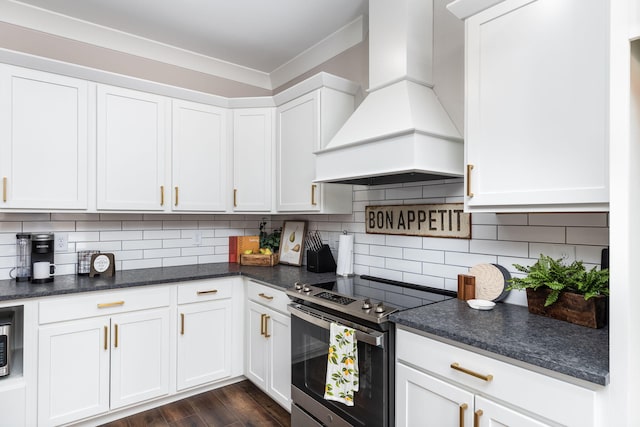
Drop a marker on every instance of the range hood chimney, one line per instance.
(400, 132)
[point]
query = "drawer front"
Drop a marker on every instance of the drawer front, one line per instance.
(546, 396)
(206, 290)
(268, 296)
(59, 309)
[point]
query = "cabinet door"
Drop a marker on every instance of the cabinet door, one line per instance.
(252, 159)
(278, 331)
(298, 139)
(199, 157)
(425, 401)
(257, 349)
(537, 106)
(44, 140)
(204, 342)
(73, 371)
(139, 356)
(491, 414)
(131, 150)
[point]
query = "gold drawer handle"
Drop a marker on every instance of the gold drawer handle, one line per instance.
(262, 324)
(463, 407)
(111, 304)
(476, 418)
(266, 325)
(116, 331)
(181, 323)
(267, 297)
(4, 189)
(457, 367)
(469, 169)
(162, 195)
(210, 291)
(106, 338)
(313, 194)
(235, 198)
(177, 196)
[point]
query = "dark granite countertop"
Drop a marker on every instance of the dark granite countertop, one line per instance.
(512, 332)
(280, 276)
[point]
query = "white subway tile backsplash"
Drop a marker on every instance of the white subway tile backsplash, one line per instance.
(588, 236)
(161, 253)
(423, 255)
(497, 247)
(120, 235)
(570, 220)
(403, 265)
(566, 252)
(385, 251)
(161, 234)
(154, 240)
(532, 234)
(405, 241)
(98, 225)
(141, 244)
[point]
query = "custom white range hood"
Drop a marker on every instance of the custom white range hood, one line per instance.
(400, 132)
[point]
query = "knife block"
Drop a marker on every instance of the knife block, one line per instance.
(321, 261)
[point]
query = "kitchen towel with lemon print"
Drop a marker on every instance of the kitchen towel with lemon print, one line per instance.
(342, 365)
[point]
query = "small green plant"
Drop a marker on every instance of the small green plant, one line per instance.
(553, 274)
(269, 240)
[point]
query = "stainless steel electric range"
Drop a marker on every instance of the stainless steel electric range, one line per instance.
(363, 303)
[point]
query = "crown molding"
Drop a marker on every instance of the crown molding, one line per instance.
(16, 13)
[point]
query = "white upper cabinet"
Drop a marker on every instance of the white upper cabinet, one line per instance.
(305, 125)
(536, 135)
(253, 159)
(131, 168)
(199, 157)
(44, 140)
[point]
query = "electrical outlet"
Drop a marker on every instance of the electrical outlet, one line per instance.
(61, 242)
(196, 239)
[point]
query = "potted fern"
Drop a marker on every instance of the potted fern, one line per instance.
(567, 292)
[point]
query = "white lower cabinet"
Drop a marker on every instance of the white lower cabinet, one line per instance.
(205, 329)
(90, 365)
(480, 391)
(268, 336)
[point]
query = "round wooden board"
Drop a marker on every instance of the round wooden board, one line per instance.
(491, 280)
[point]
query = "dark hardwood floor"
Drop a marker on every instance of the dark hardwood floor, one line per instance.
(237, 405)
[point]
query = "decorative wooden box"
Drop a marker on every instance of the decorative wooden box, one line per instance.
(260, 259)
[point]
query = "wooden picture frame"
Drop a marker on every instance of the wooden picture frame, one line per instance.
(292, 242)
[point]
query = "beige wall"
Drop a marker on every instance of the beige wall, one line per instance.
(351, 64)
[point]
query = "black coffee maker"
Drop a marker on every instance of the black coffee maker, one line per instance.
(42, 250)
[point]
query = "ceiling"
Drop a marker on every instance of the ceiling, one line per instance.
(258, 34)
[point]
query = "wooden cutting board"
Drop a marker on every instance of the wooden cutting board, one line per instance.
(491, 281)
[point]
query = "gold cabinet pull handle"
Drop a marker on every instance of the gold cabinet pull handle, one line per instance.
(106, 338)
(476, 418)
(210, 291)
(181, 323)
(262, 324)
(313, 194)
(4, 189)
(235, 198)
(162, 195)
(457, 367)
(116, 333)
(267, 297)
(469, 169)
(463, 407)
(176, 196)
(111, 304)
(266, 325)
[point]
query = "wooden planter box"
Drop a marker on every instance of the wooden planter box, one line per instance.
(260, 259)
(571, 307)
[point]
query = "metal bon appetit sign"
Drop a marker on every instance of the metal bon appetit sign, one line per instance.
(436, 220)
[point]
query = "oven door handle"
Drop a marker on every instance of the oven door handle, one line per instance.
(370, 337)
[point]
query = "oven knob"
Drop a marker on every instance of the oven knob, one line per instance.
(298, 286)
(380, 308)
(306, 288)
(366, 305)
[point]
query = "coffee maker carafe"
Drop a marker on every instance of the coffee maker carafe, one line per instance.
(42, 248)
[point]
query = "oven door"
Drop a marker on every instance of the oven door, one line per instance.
(309, 350)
